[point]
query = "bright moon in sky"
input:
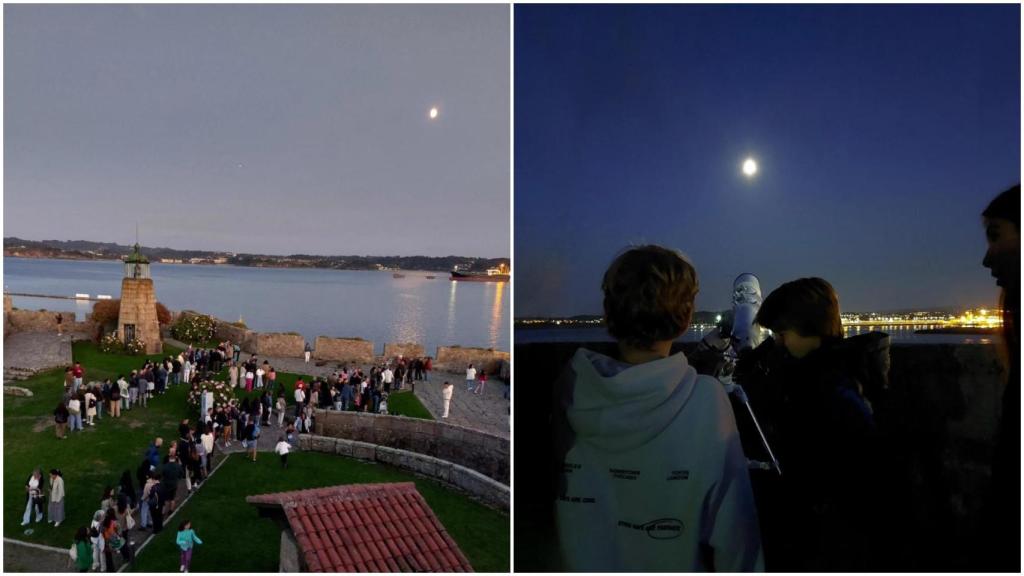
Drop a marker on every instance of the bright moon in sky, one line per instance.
(433, 113)
(749, 167)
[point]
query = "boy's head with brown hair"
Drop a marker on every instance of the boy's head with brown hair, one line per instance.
(648, 296)
(802, 311)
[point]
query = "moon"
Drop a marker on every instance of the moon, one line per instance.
(749, 167)
(433, 113)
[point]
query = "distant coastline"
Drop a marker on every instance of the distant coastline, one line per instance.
(98, 251)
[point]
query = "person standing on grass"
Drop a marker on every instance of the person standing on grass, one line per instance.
(75, 411)
(123, 389)
(283, 448)
(470, 377)
(90, 407)
(271, 379)
(115, 400)
(281, 405)
(56, 508)
(206, 440)
(446, 393)
(78, 373)
(60, 420)
(83, 550)
(186, 539)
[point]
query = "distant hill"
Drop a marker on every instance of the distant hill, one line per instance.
(86, 250)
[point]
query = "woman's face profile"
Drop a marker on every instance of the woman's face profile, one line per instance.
(1003, 254)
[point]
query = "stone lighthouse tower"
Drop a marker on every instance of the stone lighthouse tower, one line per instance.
(137, 318)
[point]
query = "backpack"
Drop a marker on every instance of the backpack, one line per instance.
(92, 402)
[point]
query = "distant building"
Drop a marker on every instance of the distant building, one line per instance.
(137, 318)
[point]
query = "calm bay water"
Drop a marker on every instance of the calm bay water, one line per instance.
(339, 303)
(897, 334)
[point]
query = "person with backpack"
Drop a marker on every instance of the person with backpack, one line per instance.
(60, 420)
(90, 407)
(821, 513)
(651, 473)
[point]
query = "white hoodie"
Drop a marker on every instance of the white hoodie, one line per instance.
(656, 472)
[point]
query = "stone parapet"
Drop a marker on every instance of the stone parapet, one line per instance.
(406, 349)
(456, 358)
(343, 349)
(489, 491)
(485, 453)
(287, 345)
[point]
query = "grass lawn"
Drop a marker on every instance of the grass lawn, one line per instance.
(406, 403)
(90, 460)
(236, 539)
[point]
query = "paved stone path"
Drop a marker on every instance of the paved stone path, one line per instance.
(487, 411)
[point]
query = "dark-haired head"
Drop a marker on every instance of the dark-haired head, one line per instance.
(803, 314)
(648, 296)
(184, 525)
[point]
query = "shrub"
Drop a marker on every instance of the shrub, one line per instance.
(222, 392)
(193, 329)
(135, 347)
(111, 344)
(163, 315)
(105, 312)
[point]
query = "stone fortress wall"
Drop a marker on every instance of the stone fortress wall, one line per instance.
(38, 320)
(292, 345)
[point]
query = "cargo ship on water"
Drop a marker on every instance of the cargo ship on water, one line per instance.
(499, 274)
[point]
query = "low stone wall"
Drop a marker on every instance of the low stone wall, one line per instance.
(406, 349)
(488, 490)
(39, 321)
(343, 349)
(279, 344)
(456, 358)
(485, 453)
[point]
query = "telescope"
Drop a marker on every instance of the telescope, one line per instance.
(741, 336)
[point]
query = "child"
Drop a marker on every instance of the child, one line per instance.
(186, 538)
(651, 459)
(823, 431)
(283, 448)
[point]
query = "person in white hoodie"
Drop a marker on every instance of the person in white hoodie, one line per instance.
(654, 477)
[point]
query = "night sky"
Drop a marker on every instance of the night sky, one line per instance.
(881, 133)
(260, 128)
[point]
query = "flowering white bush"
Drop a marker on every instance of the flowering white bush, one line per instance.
(111, 344)
(222, 392)
(193, 329)
(135, 347)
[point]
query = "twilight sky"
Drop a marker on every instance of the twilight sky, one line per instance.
(881, 133)
(260, 128)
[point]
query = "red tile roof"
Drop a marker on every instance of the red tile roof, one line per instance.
(367, 528)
